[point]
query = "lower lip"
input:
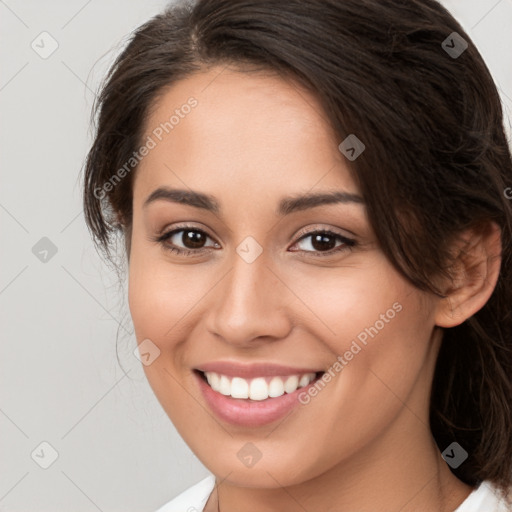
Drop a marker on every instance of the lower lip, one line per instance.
(249, 413)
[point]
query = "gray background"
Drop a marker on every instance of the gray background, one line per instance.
(60, 380)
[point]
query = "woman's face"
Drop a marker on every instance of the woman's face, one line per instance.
(261, 293)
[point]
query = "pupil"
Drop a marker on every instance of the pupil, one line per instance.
(323, 242)
(193, 239)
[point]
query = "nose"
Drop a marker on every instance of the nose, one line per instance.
(249, 304)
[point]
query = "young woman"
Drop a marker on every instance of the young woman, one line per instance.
(313, 199)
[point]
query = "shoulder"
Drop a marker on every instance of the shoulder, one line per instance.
(192, 499)
(485, 498)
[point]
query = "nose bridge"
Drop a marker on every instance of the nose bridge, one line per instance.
(248, 303)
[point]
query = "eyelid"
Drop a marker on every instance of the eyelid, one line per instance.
(347, 244)
(176, 227)
(301, 233)
(165, 234)
(325, 229)
(348, 241)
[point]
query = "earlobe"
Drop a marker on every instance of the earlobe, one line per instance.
(475, 272)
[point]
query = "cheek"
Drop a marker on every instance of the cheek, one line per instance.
(380, 346)
(163, 302)
(157, 302)
(378, 328)
(360, 304)
(384, 355)
(160, 302)
(160, 298)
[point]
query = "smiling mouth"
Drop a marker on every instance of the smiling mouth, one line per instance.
(258, 388)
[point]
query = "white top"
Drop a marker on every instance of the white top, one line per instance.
(483, 499)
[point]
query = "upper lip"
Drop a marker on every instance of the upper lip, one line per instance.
(251, 370)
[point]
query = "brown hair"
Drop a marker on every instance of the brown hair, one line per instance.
(436, 160)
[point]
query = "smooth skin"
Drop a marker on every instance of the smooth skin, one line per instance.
(364, 442)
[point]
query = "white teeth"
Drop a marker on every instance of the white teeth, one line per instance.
(276, 387)
(213, 380)
(291, 384)
(304, 381)
(239, 388)
(224, 385)
(258, 388)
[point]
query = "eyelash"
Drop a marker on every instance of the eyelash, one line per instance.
(347, 243)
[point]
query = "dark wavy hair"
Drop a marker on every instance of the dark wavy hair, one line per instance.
(437, 161)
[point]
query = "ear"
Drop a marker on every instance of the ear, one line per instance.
(475, 270)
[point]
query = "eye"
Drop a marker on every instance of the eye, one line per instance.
(190, 241)
(323, 243)
(186, 241)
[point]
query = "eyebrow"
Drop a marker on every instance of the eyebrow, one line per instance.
(287, 205)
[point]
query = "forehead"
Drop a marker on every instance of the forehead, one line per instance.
(223, 129)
